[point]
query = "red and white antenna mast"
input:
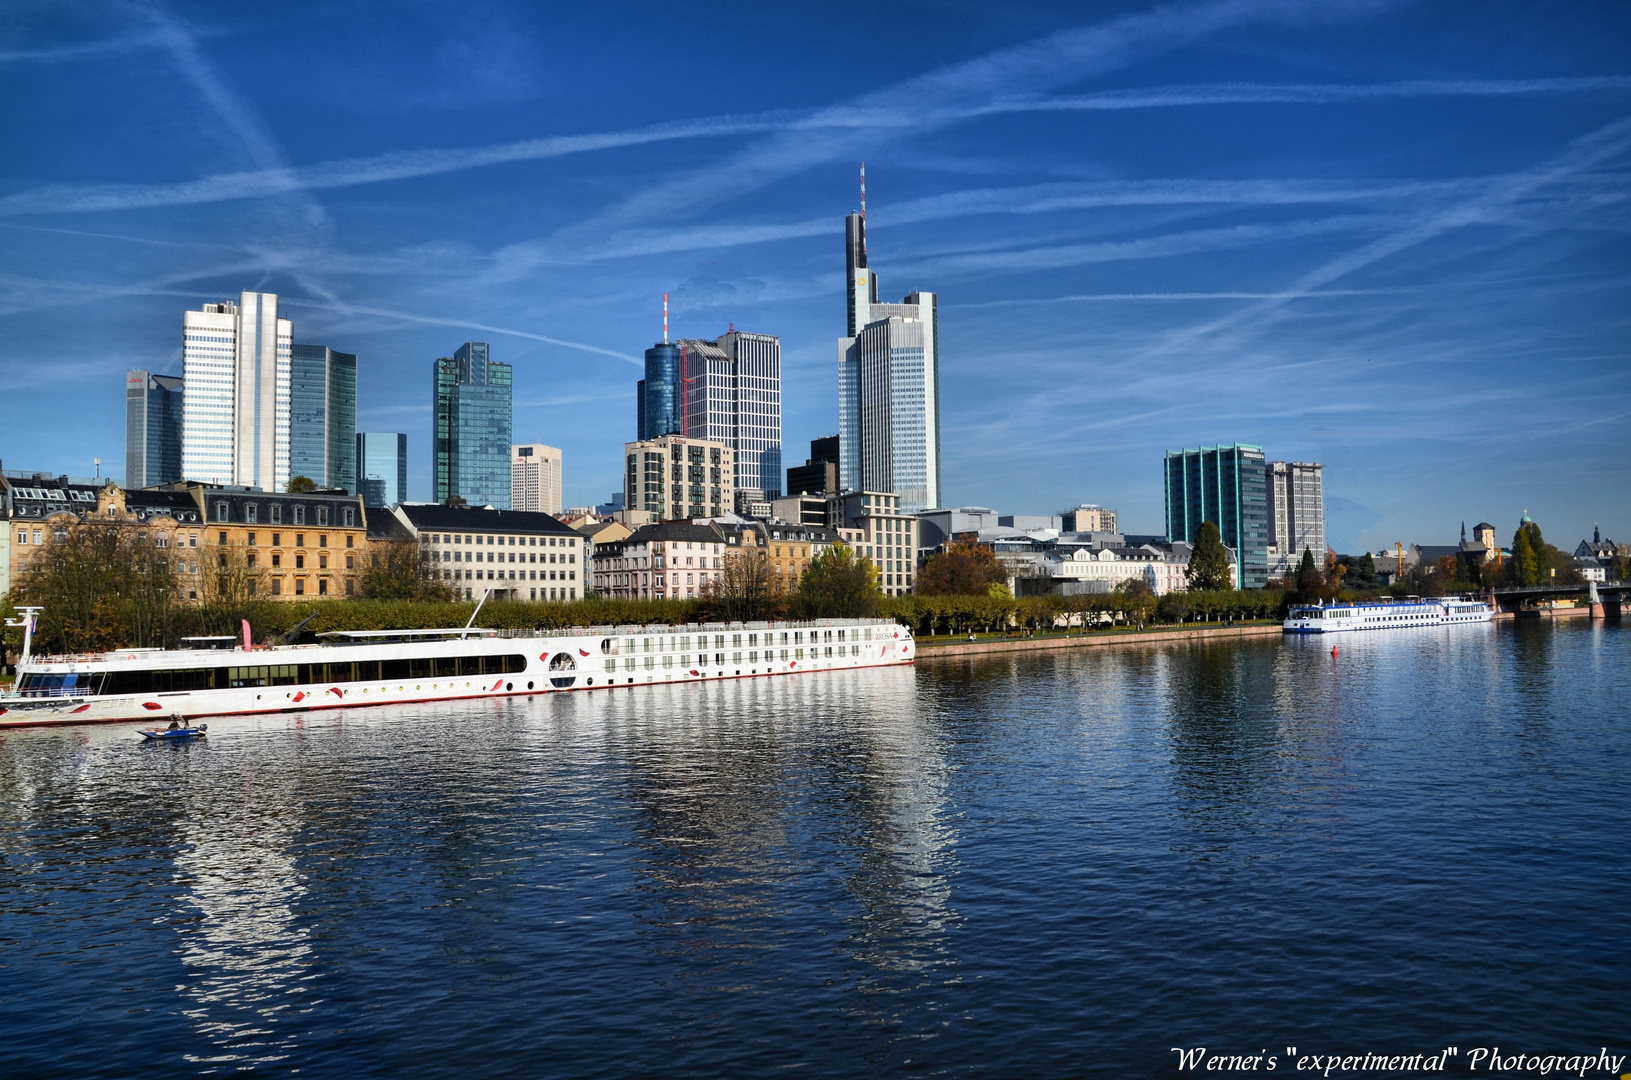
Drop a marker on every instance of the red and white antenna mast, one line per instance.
(665, 318)
(863, 210)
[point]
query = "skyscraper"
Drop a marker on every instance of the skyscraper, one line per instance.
(675, 477)
(472, 424)
(535, 478)
(153, 407)
(382, 467)
(235, 359)
(1296, 515)
(1226, 485)
(323, 416)
(819, 473)
(888, 385)
(661, 394)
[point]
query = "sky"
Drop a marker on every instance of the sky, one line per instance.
(1387, 237)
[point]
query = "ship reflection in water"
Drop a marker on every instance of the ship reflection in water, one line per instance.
(1021, 865)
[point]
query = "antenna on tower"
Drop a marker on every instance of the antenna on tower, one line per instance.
(665, 318)
(863, 210)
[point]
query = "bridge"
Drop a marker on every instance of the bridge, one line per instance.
(1602, 599)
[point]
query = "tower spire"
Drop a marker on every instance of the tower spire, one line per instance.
(863, 210)
(665, 318)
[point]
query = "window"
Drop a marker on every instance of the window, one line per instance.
(220, 512)
(300, 586)
(223, 537)
(251, 559)
(277, 582)
(299, 515)
(277, 559)
(299, 539)
(350, 561)
(322, 541)
(277, 515)
(350, 515)
(350, 587)
(277, 539)
(299, 564)
(349, 538)
(251, 539)
(322, 562)
(322, 586)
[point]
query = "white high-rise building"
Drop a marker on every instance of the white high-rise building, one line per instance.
(1296, 513)
(731, 393)
(535, 478)
(235, 427)
(888, 387)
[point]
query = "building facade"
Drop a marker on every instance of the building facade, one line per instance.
(667, 560)
(1226, 485)
(236, 366)
(1088, 517)
(153, 415)
(323, 416)
(513, 554)
(676, 477)
(472, 428)
(535, 478)
(660, 397)
(382, 467)
(884, 532)
(819, 473)
(888, 387)
(1296, 513)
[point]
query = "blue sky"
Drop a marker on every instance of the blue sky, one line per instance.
(1388, 237)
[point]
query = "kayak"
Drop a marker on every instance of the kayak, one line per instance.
(175, 733)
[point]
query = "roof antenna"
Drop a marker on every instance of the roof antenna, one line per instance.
(665, 318)
(863, 211)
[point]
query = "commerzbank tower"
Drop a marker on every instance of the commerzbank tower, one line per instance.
(888, 384)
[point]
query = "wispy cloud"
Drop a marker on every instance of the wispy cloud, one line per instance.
(89, 50)
(467, 324)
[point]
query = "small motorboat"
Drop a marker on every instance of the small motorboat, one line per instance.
(178, 729)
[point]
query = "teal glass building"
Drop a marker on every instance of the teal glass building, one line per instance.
(1227, 485)
(472, 423)
(323, 416)
(153, 413)
(661, 397)
(382, 468)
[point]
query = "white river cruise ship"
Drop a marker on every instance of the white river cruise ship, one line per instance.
(350, 669)
(1412, 611)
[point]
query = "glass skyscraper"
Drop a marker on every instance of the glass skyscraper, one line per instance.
(153, 407)
(661, 394)
(1227, 485)
(472, 425)
(888, 387)
(323, 416)
(382, 467)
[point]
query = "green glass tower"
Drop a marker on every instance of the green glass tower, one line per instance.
(323, 416)
(471, 437)
(1227, 485)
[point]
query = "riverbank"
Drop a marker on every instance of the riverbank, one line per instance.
(928, 649)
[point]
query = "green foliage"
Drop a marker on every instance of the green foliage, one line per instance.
(745, 590)
(102, 588)
(1525, 565)
(1309, 579)
(1209, 562)
(300, 485)
(402, 571)
(837, 585)
(1362, 576)
(961, 570)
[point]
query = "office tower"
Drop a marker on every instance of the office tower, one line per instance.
(888, 385)
(661, 393)
(819, 473)
(535, 478)
(235, 361)
(153, 407)
(1296, 514)
(472, 422)
(382, 467)
(675, 477)
(728, 391)
(323, 416)
(1226, 485)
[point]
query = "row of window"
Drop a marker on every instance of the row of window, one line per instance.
(277, 540)
(346, 519)
(526, 575)
(502, 541)
(476, 556)
(736, 657)
(38, 684)
(299, 561)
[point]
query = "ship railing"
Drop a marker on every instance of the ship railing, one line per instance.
(55, 692)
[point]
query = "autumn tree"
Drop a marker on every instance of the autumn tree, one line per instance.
(1209, 561)
(401, 570)
(746, 587)
(963, 569)
(102, 587)
(837, 585)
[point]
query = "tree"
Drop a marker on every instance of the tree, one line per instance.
(746, 587)
(837, 585)
(1138, 599)
(964, 569)
(1361, 576)
(1309, 579)
(401, 571)
(1525, 568)
(301, 485)
(1209, 561)
(102, 587)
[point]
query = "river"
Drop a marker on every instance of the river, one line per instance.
(1021, 865)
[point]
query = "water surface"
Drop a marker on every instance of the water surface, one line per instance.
(1036, 864)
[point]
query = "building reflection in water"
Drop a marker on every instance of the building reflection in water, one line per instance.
(773, 812)
(245, 953)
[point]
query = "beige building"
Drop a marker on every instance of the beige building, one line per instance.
(676, 478)
(668, 561)
(879, 530)
(535, 478)
(1088, 517)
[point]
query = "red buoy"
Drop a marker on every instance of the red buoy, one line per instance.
(1333, 650)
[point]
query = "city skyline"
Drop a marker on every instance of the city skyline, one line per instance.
(1364, 238)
